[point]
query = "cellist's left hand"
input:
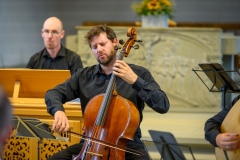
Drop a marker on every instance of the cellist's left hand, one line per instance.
(122, 69)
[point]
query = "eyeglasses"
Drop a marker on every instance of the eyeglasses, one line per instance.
(54, 32)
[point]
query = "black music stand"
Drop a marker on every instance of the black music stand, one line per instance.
(31, 127)
(221, 81)
(167, 146)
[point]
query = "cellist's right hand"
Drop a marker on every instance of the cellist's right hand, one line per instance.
(60, 123)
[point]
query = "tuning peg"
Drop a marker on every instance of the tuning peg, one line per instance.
(136, 46)
(121, 41)
(138, 40)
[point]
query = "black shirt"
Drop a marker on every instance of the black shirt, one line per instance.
(213, 125)
(91, 81)
(65, 60)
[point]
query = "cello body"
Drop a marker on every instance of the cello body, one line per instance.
(112, 132)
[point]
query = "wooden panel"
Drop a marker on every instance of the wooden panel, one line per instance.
(21, 148)
(31, 83)
(234, 27)
(26, 89)
(50, 147)
(32, 107)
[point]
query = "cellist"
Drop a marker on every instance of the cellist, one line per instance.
(134, 83)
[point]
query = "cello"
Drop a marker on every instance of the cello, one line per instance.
(110, 121)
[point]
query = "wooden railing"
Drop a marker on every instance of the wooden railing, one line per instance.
(226, 27)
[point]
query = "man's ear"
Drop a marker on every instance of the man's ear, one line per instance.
(62, 33)
(42, 33)
(115, 41)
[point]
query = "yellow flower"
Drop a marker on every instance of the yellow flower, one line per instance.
(153, 7)
(167, 2)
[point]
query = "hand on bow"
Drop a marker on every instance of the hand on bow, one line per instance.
(60, 123)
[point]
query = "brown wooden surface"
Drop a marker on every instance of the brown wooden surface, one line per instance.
(94, 23)
(28, 88)
(36, 108)
(31, 83)
(130, 24)
(226, 27)
(234, 27)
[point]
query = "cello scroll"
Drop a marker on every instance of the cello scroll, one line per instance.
(126, 46)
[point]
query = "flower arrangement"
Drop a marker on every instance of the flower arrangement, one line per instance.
(153, 7)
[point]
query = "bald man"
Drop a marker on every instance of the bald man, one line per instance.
(5, 119)
(54, 55)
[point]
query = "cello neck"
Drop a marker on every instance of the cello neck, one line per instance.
(107, 97)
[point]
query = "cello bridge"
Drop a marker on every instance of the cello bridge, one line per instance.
(94, 154)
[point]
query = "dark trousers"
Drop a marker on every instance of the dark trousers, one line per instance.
(75, 149)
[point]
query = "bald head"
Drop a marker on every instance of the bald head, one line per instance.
(52, 34)
(54, 22)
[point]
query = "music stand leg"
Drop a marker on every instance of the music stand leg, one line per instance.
(224, 90)
(165, 146)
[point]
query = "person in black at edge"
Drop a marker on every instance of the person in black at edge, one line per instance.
(54, 55)
(225, 141)
(135, 83)
(5, 119)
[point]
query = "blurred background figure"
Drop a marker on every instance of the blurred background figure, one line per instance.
(54, 55)
(5, 119)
